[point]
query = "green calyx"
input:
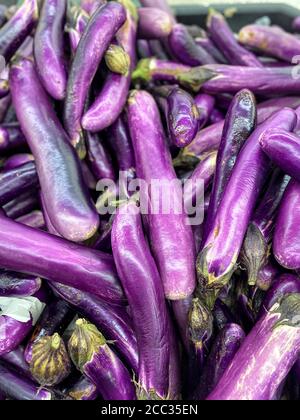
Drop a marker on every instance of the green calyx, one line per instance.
(195, 78)
(289, 310)
(117, 60)
(143, 71)
(200, 322)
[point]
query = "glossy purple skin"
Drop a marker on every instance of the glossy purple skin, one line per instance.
(216, 116)
(50, 228)
(143, 49)
(11, 137)
(22, 204)
(16, 30)
(185, 49)
(83, 390)
(267, 275)
(222, 315)
(112, 99)
(169, 233)
(147, 302)
(286, 242)
(16, 359)
(182, 117)
(59, 260)
(152, 69)
(220, 251)
(20, 388)
(209, 138)
(12, 333)
(16, 284)
(262, 362)
(181, 309)
(239, 125)
(98, 158)
(157, 49)
(17, 181)
(111, 377)
(283, 149)
(296, 24)
(261, 81)
(222, 35)
(67, 199)
(16, 161)
(205, 104)
(284, 284)
(153, 23)
(89, 53)
(205, 172)
(113, 321)
(208, 45)
(34, 219)
(222, 353)
(271, 42)
(159, 4)
(49, 48)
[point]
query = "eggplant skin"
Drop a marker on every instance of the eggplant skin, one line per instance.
(67, 199)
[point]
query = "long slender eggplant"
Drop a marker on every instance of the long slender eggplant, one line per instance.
(34, 219)
(239, 125)
(207, 44)
(154, 23)
(59, 260)
(217, 262)
(17, 360)
(19, 26)
(181, 309)
(67, 199)
(16, 284)
(152, 69)
(93, 357)
(205, 104)
(147, 303)
(11, 137)
(22, 204)
(17, 160)
(90, 51)
(258, 239)
(157, 49)
(222, 35)
(112, 99)
(98, 158)
(265, 357)
(48, 48)
(169, 233)
(112, 320)
(90, 6)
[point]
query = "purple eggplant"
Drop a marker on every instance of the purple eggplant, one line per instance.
(4, 106)
(48, 48)
(169, 233)
(265, 357)
(207, 44)
(90, 6)
(296, 24)
(216, 116)
(205, 104)
(260, 231)
(152, 69)
(83, 390)
(21, 388)
(93, 357)
(181, 309)
(16, 181)
(185, 49)
(90, 51)
(239, 124)
(286, 236)
(267, 274)
(225, 40)
(59, 260)
(22, 204)
(157, 49)
(270, 41)
(19, 26)
(112, 99)
(153, 23)
(17, 360)
(220, 78)
(16, 161)
(112, 320)
(284, 150)
(11, 137)
(67, 199)
(159, 4)
(34, 219)
(217, 261)
(16, 284)
(143, 49)
(222, 353)
(147, 303)
(98, 158)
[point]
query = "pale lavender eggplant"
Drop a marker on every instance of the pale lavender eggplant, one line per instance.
(22, 204)
(113, 321)
(296, 24)
(286, 244)
(147, 303)
(112, 99)
(159, 4)
(90, 6)
(265, 357)
(153, 23)
(11, 137)
(208, 45)
(98, 158)
(222, 353)
(83, 390)
(152, 69)
(169, 233)
(17, 360)
(16, 284)
(17, 181)
(50, 228)
(34, 219)
(88, 177)
(26, 49)
(185, 49)
(205, 104)
(67, 199)
(49, 48)
(239, 125)
(222, 35)
(269, 41)
(19, 26)
(59, 260)
(217, 261)
(21, 388)
(16, 161)
(90, 51)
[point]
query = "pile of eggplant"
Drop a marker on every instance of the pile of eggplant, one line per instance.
(135, 305)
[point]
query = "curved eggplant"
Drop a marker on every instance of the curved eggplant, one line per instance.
(34, 219)
(98, 158)
(205, 104)
(16, 284)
